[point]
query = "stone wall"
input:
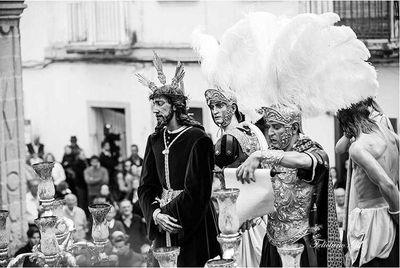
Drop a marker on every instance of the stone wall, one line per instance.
(12, 147)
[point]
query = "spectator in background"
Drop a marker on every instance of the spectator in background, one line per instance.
(33, 239)
(134, 198)
(136, 171)
(62, 189)
(340, 210)
(73, 212)
(67, 163)
(79, 235)
(128, 167)
(126, 256)
(36, 147)
(108, 161)
(82, 254)
(125, 180)
(32, 202)
(112, 139)
(79, 167)
(105, 192)
(74, 146)
(134, 226)
(119, 167)
(95, 176)
(68, 158)
(340, 199)
(333, 175)
(134, 157)
(113, 224)
(58, 172)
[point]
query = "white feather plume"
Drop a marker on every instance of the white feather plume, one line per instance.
(206, 46)
(318, 66)
(305, 61)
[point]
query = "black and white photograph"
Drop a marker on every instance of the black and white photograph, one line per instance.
(199, 133)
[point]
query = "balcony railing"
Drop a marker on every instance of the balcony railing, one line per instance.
(99, 23)
(370, 19)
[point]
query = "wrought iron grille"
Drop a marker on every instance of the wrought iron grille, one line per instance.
(369, 19)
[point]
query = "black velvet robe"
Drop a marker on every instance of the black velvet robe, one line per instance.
(191, 161)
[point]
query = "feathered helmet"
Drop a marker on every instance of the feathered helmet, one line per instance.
(173, 92)
(210, 53)
(217, 94)
(299, 66)
(283, 115)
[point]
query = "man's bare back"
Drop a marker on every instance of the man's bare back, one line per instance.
(376, 163)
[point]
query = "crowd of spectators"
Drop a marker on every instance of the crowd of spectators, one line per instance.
(80, 181)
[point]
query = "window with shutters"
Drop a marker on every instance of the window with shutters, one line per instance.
(98, 23)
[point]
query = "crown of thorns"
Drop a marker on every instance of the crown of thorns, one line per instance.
(175, 89)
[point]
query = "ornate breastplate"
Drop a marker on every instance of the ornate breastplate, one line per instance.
(290, 220)
(248, 141)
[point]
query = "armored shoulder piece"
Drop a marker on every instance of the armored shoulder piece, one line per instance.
(247, 139)
(235, 146)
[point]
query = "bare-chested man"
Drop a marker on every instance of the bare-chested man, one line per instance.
(373, 223)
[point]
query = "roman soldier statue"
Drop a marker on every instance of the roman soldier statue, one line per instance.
(238, 139)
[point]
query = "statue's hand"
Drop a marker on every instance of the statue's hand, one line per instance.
(219, 180)
(245, 172)
(247, 225)
(168, 223)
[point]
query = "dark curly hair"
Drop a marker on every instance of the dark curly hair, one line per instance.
(355, 119)
(239, 115)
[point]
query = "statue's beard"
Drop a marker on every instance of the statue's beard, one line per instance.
(164, 120)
